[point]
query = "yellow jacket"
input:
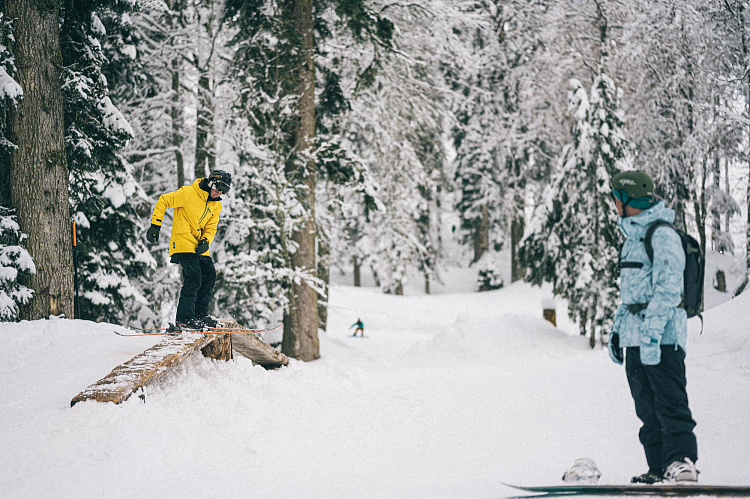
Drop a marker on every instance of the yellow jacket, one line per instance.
(195, 217)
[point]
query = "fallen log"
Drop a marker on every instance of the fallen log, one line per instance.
(255, 349)
(145, 368)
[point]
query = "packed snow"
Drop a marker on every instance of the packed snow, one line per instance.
(447, 395)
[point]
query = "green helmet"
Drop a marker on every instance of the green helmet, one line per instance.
(633, 187)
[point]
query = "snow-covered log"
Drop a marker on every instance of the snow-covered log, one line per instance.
(144, 368)
(257, 350)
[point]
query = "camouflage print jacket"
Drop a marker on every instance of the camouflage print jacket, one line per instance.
(659, 285)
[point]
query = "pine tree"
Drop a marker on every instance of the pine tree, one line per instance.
(15, 264)
(105, 198)
(505, 124)
(274, 69)
(10, 95)
(573, 241)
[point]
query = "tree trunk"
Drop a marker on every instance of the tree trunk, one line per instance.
(745, 57)
(715, 215)
(205, 156)
(324, 273)
(38, 168)
(701, 211)
(175, 111)
(301, 335)
(357, 272)
(482, 234)
(375, 276)
(516, 234)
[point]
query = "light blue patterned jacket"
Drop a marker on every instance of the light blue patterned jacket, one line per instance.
(660, 284)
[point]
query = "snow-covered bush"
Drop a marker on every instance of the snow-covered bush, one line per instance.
(15, 262)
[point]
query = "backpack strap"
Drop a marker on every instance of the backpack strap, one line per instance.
(650, 234)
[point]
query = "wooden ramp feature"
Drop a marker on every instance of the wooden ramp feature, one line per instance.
(143, 369)
(255, 349)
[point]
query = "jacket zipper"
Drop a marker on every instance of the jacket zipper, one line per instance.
(204, 214)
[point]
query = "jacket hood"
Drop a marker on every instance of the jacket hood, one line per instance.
(637, 224)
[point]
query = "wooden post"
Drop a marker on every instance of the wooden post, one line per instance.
(548, 310)
(721, 281)
(550, 315)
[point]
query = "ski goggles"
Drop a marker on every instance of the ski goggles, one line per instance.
(220, 186)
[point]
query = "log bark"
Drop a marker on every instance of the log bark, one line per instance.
(143, 369)
(38, 168)
(257, 350)
(219, 349)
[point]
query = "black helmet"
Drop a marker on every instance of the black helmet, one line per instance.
(220, 180)
(633, 187)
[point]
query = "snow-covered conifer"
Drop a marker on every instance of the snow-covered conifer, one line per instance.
(573, 238)
(10, 92)
(105, 197)
(15, 264)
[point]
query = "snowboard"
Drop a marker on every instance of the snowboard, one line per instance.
(659, 489)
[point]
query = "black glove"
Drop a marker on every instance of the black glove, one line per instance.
(615, 352)
(152, 235)
(202, 246)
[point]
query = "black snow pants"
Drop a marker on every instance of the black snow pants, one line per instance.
(661, 403)
(199, 276)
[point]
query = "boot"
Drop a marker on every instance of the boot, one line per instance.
(681, 471)
(650, 477)
(208, 321)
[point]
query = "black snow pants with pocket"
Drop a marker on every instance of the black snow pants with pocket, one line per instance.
(199, 277)
(661, 403)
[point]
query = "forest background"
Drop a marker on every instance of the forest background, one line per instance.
(350, 127)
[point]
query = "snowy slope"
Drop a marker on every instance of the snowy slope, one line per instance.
(446, 396)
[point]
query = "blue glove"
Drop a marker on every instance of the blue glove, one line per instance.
(650, 349)
(615, 351)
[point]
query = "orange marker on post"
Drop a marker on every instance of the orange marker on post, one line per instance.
(76, 308)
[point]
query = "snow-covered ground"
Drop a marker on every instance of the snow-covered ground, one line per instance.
(447, 395)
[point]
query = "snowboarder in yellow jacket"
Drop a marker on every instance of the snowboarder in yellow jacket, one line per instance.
(196, 215)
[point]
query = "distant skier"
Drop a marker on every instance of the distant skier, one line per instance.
(651, 324)
(360, 327)
(196, 215)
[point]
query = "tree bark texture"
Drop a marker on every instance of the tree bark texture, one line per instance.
(482, 234)
(324, 273)
(205, 157)
(517, 227)
(745, 45)
(175, 113)
(301, 331)
(38, 168)
(357, 272)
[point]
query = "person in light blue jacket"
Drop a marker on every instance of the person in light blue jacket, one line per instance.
(651, 327)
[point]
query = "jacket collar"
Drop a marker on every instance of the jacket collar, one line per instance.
(638, 224)
(201, 185)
